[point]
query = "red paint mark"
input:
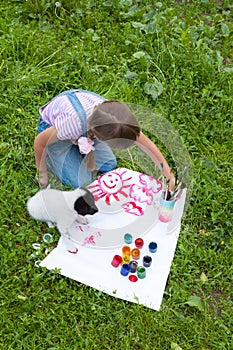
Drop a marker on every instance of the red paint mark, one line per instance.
(132, 208)
(74, 252)
(133, 278)
(104, 182)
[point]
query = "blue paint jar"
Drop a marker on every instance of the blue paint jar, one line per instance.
(125, 269)
(147, 260)
(153, 247)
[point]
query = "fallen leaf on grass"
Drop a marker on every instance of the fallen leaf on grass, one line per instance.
(195, 301)
(203, 277)
(175, 346)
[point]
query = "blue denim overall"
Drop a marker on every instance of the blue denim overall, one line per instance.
(63, 157)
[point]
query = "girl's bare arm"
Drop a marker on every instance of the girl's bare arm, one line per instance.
(155, 154)
(45, 138)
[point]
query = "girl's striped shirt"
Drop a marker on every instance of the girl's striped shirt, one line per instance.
(60, 113)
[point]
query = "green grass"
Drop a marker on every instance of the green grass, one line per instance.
(173, 57)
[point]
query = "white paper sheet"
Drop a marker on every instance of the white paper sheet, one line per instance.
(103, 238)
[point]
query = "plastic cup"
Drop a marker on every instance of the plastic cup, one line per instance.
(126, 250)
(133, 278)
(153, 247)
(133, 266)
(128, 238)
(166, 208)
(139, 243)
(116, 261)
(147, 260)
(141, 272)
(125, 269)
(125, 259)
(48, 238)
(36, 246)
(135, 253)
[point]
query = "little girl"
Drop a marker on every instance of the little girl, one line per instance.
(76, 132)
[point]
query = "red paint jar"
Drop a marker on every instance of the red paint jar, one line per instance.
(133, 278)
(116, 261)
(139, 243)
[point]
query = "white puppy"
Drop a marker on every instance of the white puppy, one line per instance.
(62, 208)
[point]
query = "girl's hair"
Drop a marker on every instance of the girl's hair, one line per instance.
(112, 121)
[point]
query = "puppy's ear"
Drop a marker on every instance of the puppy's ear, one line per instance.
(85, 204)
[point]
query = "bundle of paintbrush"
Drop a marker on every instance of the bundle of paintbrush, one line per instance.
(166, 193)
(169, 195)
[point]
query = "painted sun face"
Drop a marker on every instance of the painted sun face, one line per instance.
(110, 185)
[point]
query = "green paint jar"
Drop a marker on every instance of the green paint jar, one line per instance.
(141, 272)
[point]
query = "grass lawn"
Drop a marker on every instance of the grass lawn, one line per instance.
(172, 57)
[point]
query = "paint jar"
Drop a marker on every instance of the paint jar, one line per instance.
(141, 272)
(37, 263)
(153, 247)
(133, 266)
(48, 238)
(166, 209)
(133, 278)
(125, 269)
(116, 261)
(125, 259)
(36, 246)
(139, 243)
(128, 238)
(147, 260)
(135, 253)
(126, 250)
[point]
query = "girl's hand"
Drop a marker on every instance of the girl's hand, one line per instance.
(172, 182)
(42, 178)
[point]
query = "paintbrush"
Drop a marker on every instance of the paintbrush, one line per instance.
(163, 181)
(179, 184)
(178, 190)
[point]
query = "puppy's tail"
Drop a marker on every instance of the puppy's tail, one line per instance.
(30, 207)
(33, 207)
